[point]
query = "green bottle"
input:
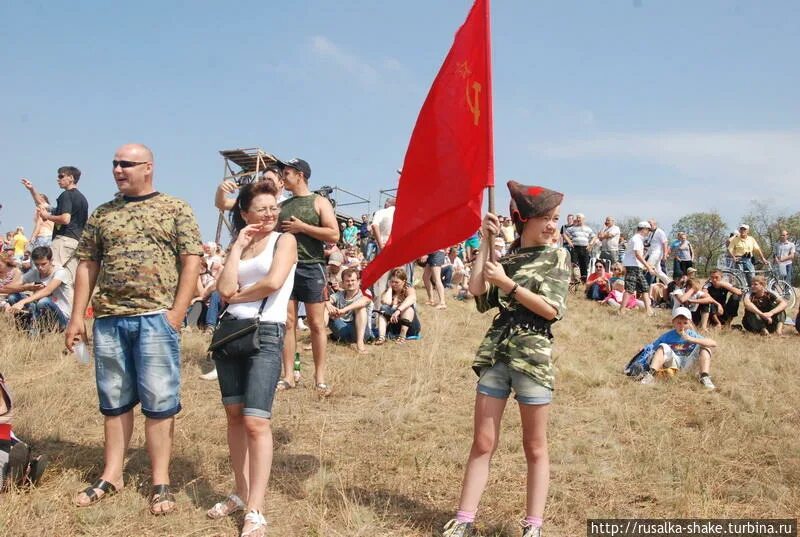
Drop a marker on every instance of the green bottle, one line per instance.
(296, 366)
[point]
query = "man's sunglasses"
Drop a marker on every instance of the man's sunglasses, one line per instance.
(126, 163)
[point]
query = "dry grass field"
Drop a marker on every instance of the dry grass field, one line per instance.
(384, 455)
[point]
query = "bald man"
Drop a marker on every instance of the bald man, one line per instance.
(149, 247)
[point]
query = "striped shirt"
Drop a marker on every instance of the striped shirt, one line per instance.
(580, 235)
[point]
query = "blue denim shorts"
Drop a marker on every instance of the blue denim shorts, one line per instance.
(251, 381)
(498, 380)
(137, 359)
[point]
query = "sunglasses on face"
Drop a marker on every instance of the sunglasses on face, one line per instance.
(61, 175)
(126, 163)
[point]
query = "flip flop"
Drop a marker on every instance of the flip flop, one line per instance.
(283, 386)
(323, 390)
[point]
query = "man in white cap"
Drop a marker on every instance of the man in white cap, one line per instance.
(679, 349)
(658, 249)
(635, 263)
(742, 247)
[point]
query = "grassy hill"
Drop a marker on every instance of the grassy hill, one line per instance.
(384, 455)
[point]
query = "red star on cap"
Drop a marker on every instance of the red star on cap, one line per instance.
(535, 190)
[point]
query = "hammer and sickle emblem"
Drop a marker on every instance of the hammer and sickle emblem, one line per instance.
(473, 101)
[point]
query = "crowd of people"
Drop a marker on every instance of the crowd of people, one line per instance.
(294, 264)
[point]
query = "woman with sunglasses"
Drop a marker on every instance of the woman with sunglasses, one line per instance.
(256, 282)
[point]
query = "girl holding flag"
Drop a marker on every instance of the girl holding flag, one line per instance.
(529, 286)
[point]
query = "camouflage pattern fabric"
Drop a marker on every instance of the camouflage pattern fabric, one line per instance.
(138, 244)
(309, 249)
(545, 271)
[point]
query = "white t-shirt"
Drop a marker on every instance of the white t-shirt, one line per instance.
(458, 265)
(251, 271)
(62, 295)
(611, 243)
(783, 250)
(383, 220)
(657, 241)
(635, 244)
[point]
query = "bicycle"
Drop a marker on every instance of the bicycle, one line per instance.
(735, 276)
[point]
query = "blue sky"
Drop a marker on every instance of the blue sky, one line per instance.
(630, 107)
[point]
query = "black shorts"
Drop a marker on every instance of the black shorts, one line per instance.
(634, 280)
(310, 283)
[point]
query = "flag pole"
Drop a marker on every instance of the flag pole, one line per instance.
(490, 238)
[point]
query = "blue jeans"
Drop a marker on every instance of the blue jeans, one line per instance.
(447, 275)
(745, 264)
(342, 330)
(44, 308)
(789, 276)
(41, 310)
(137, 359)
(214, 306)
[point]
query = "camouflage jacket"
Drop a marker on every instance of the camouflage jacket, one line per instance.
(138, 243)
(519, 337)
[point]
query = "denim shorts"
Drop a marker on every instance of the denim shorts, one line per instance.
(251, 381)
(498, 380)
(435, 259)
(137, 359)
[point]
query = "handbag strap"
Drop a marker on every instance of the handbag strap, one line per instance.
(263, 302)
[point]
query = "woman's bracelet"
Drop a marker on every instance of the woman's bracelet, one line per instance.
(513, 290)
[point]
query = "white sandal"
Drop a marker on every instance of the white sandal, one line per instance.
(223, 509)
(258, 524)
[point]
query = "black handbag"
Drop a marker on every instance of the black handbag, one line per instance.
(235, 338)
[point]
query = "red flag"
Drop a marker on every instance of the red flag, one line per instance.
(450, 157)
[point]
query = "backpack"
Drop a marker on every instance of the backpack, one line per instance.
(5, 401)
(638, 364)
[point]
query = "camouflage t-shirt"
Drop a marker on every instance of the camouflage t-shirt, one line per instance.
(137, 242)
(545, 271)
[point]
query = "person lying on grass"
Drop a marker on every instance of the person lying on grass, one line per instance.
(679, 349)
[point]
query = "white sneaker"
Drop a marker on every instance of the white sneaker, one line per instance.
(211, 375)
(706, 382)
(301, 325)
(647, 378)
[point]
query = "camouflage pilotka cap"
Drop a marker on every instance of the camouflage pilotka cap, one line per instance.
(531, 201)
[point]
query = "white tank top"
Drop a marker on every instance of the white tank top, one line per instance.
(254, 269)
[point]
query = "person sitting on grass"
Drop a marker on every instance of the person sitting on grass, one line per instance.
(726, 295)
(597, 282)
(50, 304)
(678, 349)
(692, 297)
(398, 313)
(764, 310)
(349, 312)
(617, 273)
(617, 295)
